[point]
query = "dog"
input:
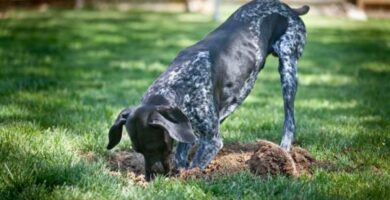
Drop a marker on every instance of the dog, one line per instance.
(206, 82)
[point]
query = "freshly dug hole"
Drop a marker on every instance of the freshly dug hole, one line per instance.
(130, 164)
(262, 158)
(127, 161)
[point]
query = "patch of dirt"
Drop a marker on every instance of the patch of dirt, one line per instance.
(262, 158)
(230, 159)
(129, 163)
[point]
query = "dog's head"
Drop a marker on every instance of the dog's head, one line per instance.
(152, 130)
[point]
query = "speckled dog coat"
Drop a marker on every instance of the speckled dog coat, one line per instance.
(210, 79)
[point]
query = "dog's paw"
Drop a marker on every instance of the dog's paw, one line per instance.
(191, 173)
(285, 146)
(286, 142)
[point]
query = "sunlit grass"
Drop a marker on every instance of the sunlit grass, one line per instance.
(64, 76)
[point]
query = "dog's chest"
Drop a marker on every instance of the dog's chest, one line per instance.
(232, 97)
(188, 85)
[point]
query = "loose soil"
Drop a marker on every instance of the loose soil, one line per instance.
(262, 158)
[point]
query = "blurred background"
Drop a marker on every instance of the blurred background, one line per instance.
(67, 67)
(351, 8)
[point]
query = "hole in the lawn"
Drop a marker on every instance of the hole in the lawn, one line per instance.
(263, 158)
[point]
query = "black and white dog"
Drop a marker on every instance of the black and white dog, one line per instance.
(206, 82)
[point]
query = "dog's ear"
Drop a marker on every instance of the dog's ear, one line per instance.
(174, 122)
(115, 132)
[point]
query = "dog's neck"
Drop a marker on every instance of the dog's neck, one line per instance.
(156, 100)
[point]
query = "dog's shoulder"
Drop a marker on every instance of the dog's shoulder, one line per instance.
(188, 72)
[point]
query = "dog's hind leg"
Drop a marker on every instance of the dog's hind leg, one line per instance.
(289, 48)
(288, 76)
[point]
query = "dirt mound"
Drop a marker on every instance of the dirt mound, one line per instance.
(270, 159)
(232, 158)
(262, 158)
(304, 161)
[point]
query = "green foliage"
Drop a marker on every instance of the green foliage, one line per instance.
(64, 76)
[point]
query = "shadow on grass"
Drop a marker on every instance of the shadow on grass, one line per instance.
(66, 63)
(26, 174)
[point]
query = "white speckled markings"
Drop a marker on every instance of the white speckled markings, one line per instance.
(188, 82)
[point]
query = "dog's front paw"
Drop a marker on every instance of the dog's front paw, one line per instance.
(191, 173)
(181, 164)
(287, 141)
(285, 146)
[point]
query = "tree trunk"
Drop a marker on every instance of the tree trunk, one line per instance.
(79, 4)
(217, 9)
(187, 5)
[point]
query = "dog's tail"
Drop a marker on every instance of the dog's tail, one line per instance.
(302, 10)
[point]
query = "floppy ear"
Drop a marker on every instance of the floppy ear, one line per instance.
(174, 122)
(115, 133)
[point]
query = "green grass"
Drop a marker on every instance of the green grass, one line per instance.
(64, 76)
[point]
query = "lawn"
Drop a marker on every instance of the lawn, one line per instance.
(65, 75)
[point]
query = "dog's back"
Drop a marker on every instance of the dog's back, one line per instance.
(212, 77)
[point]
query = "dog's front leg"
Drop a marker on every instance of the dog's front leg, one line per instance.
(207, 150)
(166, 166)
(181, 156)
(149, 173)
